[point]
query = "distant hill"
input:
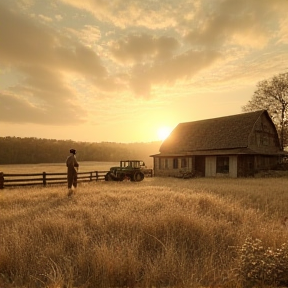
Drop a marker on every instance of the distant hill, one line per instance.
(16, 150)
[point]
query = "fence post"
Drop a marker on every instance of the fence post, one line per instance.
(91, 176)
(1, 180)
(96, 175)
(44, 178)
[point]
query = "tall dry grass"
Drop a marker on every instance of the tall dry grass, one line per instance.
(161, 232)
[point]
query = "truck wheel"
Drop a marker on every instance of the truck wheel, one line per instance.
(108, 177)
(138, 176)
(121, 176)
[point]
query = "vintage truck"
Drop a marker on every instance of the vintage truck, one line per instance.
(133, 170)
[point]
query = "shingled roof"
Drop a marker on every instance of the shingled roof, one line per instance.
(227, 132)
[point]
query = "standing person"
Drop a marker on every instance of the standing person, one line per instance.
(72, 169)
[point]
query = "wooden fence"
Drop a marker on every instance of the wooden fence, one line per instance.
(9, 180)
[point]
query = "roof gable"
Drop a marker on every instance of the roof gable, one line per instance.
(218, 133)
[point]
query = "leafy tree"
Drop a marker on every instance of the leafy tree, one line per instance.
(272, 95)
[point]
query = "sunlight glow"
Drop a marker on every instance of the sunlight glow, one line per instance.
(163, 133)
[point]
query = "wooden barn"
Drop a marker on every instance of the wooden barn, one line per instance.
(232, 146)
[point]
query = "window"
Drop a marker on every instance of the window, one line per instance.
(265, 140)
(166, 164)
(160, 163)
(222, 165)
(183, 162)
(175, 163)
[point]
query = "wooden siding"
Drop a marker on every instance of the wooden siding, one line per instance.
(245, 165)
(160, 169)
(264, 137)
(262, 162)
(210, 166)
(233, 166)
(206, 166)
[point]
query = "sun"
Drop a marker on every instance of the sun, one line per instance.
(163, 132)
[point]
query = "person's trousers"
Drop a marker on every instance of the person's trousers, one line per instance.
(72, 177)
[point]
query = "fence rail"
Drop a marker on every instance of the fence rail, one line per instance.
(9, 180)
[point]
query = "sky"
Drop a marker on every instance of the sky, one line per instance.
(131, 70)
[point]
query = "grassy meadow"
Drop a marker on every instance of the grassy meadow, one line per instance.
(161, 232)
(85, 166)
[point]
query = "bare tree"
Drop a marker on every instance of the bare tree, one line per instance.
(272, 95)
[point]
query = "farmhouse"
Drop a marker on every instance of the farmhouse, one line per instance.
(232, 146)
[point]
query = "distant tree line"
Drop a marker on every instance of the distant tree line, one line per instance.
(16, 150)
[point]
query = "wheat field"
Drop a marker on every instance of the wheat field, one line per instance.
(161, 232)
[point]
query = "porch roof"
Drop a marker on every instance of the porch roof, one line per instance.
(218, 152)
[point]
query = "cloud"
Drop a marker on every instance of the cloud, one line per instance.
(45, 18)
(237, 22)
(226, 30)
(43, 58)
(25, 43)
(89, 35)
(141, 48)
(157, 61)
(283, 32)
(177, 68)
(58, 17)
(25, 4)
(123, 14)
(41, 98)
(108, 50)
(16, 109)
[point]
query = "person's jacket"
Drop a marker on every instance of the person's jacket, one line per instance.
(71, 162)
